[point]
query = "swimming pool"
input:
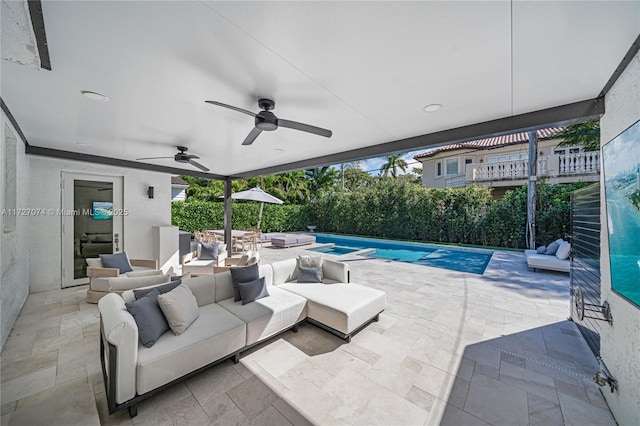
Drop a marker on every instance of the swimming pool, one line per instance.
(452, 258)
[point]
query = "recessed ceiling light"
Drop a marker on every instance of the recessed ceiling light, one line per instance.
(94, 96)
(432, 107)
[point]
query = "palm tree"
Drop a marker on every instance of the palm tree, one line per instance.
(322, 178)
(394, 162)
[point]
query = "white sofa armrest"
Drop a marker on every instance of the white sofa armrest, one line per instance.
(334, 270)
(119, 329)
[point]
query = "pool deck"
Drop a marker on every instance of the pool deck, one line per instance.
(451, 348)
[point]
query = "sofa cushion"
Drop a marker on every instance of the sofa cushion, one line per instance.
(149, 318)
(552, 248)
(94, 262)
(164, 288)
(310, 274)
(270, 315)
(542, 261)
(144, 273)
(541, 249)
(252, 290)
(563, 250)
(116, 260)
(243, 275)
(209, 251)
(180, 308)
(224, 282)
(284, 271)
(343, 307)
(216, 334)
(125, 283)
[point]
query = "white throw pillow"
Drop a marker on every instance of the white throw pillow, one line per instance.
(94, 262)
(563, 251)
(180, 308)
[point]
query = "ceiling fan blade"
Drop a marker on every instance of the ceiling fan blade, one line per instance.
(198, 165)
(305, 128)
(152, 158)
(253, 134)
(190, 156)
(231, 107)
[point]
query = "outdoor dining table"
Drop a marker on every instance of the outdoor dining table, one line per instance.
(236, 234)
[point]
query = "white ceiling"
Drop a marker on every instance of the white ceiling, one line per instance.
(362, 69)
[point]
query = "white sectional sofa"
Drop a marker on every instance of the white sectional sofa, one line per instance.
(559, 261)
(225, 328)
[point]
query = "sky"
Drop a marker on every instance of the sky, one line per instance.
(373, 165)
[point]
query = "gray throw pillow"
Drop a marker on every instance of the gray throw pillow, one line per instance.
(310, 274)
(161, 289)
(243, 275)
(541, 249)
(116, 260)
(552, 248)
(253, 290)
(209, 251)
(150, 320)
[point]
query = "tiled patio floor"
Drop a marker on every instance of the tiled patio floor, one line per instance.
(451, 348)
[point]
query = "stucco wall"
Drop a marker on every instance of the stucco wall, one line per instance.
(45, 231)
(620, 343)
(14, 248)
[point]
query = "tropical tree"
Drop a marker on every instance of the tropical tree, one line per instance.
(322, 179)
(394, 162)
(585, 134)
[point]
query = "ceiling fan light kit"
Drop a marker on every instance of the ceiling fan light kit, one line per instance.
(267, 121)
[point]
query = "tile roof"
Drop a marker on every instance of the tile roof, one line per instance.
(494, 142)
(177, 180)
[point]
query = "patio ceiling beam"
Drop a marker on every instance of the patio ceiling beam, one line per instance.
(563, 115)
(37, 23)
(117, 162)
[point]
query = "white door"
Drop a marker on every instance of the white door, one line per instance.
(92, 222)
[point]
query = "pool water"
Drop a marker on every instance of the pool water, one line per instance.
(452, 258)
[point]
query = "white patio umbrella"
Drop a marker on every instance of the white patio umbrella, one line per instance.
(257, 194)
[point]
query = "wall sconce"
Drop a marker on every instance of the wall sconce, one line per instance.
(150, 192)
(541, 153)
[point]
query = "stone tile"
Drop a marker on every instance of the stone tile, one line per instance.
(393, 376)
(420, 398)
(575, 412)
(291, 414)
(386, 409)
(214, 382)
(435, 381)
(334, 362)
(305, 371)
(459, 391)
(68, 404)
(150, 411)
(483, 355)
(486, 370)
(223, 411)
(577, 392)
(252, 396)
(13, 370)
(495, 402)
(28, 384)
(270, 417)
(242, 369)
(453, 416)
(543, 412)
(370, 357)
(187, 411)
(512, 359)
(412, 364)
(278, 357)
(528, 381)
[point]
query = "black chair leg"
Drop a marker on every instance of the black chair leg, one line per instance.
(133, 410)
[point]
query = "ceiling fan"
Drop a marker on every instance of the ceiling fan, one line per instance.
(265, 120)
(181, 157)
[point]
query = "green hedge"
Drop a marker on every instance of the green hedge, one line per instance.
(399, 209)
(199, 215)
(402, 210)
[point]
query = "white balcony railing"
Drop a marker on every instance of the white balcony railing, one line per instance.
(456, 181)
(580, 163)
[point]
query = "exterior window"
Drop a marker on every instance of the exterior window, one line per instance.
(467, 162)
(452, 166)
(507, 157)
(438, 168)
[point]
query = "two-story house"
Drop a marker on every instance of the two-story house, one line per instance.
(502, 162)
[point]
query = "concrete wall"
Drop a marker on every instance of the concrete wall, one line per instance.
(620, 343)
(14, 238)
(45, 231)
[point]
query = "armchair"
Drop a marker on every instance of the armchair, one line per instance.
(192, 262)
(99, 275)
